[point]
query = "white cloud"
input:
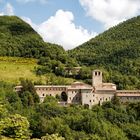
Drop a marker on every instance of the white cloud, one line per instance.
(27, 1)
(29, 21)
(8, 10)
(111, 12)
(60, 29)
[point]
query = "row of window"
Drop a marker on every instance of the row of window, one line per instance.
(100, 100)
(45, 94)
(131, 98)
(107, 99)
(97, 73)
(93, 96)
(52, 88)
(77, 91)
(129, 92)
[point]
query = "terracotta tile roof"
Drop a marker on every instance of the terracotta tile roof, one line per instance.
(128, 95)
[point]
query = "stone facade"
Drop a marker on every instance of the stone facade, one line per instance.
(44, 91)
(81, 93)
(128, 95)
(97, 78)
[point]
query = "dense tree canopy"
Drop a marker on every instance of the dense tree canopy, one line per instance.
(48, 120)
(17, 38)
(116, 52)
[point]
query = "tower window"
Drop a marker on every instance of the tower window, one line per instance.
(95, 73)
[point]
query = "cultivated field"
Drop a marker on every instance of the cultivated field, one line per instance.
(12, 69)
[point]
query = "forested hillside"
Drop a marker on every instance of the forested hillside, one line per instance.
(22, 117)
(17, 38)
(116, 52)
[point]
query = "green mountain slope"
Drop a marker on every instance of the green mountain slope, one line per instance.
(18, 43)
(17, 38)
(117, 52)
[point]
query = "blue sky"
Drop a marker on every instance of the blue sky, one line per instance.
(70, 22)
(39, 12)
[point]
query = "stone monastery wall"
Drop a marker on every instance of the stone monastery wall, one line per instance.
(81, 93)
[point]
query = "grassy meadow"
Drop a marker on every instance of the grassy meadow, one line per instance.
(12, 69)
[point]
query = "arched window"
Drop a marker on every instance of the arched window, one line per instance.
(64, 96)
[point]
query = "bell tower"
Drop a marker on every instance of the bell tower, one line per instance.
(96, 78)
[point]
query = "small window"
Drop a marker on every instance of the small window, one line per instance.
(70, 98)
(90, 101)
(50, 94)
(43, 94)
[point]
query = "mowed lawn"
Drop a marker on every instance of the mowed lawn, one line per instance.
(12, 69)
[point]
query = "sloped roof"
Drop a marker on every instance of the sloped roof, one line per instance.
(80, 85)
